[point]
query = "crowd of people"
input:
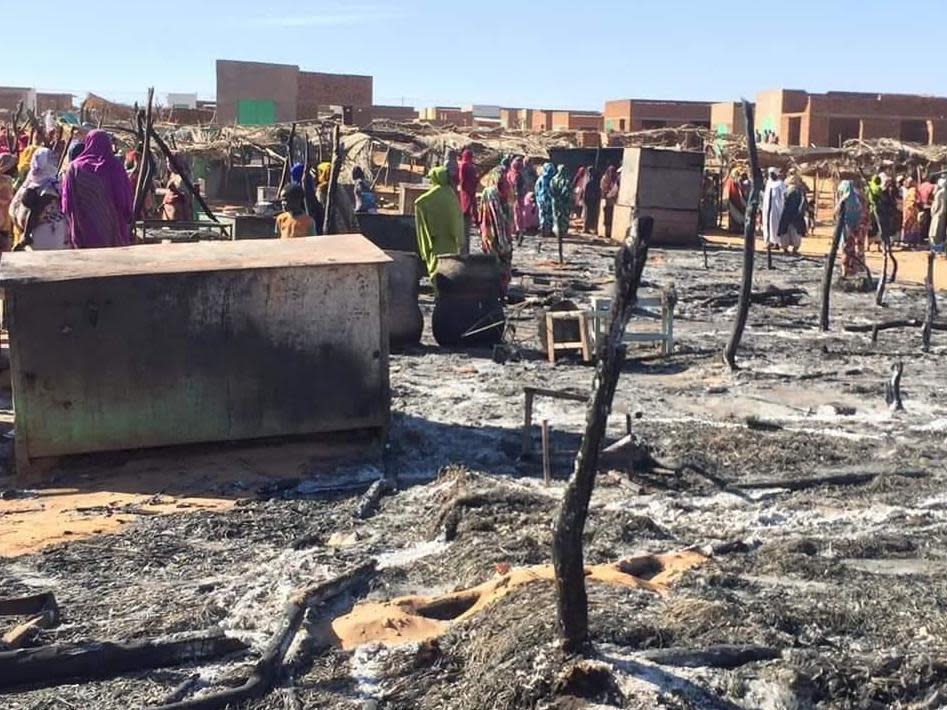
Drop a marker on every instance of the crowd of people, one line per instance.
(57, 193)
(883, 211)
(518, 197)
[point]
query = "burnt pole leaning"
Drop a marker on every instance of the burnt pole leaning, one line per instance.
(331, 201)
(567, 557)
(837, 236)
(749, 241)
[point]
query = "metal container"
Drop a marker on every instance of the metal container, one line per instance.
(151, 346)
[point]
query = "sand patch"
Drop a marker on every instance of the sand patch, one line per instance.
(421, 618)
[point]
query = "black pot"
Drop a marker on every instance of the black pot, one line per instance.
(474, 275)
(405, 321)
(467, 321)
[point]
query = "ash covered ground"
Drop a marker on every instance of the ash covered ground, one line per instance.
(844, 583)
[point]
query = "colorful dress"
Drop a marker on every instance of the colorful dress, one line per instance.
(562, 201)
(855, 219)
(495, 230)
(544, 199)
(910, 224)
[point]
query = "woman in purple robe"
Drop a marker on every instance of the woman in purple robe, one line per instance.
(97, 197)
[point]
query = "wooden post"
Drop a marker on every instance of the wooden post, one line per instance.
(749, 241)
(287, 166)
(829, 268)
(547, 476)
(931, 311)
(333, 178)
(163, 147)
(567, 539)
(65, 148)
(142, 183)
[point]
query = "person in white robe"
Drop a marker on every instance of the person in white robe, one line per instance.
(774, 200)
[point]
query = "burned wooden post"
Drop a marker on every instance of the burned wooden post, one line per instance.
(829, 269)
(893, 387)
(333, 179)
(567, 554)
(287, 166)
(749, 241)
(184, 177)
(141, 185)
(931, 311)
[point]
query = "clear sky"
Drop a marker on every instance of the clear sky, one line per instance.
(549, 54)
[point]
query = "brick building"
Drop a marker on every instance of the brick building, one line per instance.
(257, 93)
(446, 116)
(830, 119)
(727, 118)
(363, 115)
(626, 115)
(529, 119)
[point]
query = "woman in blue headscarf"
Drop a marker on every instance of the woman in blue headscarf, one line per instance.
(313, 207)
(544, 199)
(563, 201)
(853, 211)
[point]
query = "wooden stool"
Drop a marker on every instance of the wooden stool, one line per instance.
(582, 344)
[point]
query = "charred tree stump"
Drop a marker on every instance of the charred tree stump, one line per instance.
(931, 312)
(893, 388)
(567, 554)
(749, 241)
(337, 158)
(829, 269)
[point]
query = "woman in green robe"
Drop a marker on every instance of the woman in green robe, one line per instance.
(440, 223)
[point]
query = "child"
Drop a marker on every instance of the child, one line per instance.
(295, 222)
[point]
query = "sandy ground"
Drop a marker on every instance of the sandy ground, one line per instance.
(842, 585)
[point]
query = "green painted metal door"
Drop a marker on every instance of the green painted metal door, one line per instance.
(256, 112)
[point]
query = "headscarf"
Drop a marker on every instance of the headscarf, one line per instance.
(438, 219)
(296, 173)
(97, 156)
(544, 183)
(851, 204)
(97, 196)
(515, 177)
(579, 180)
(323, 170)
(44, 170)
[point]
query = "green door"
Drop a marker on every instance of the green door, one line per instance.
(255, 112)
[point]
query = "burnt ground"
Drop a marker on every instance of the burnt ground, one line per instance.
(845, 584)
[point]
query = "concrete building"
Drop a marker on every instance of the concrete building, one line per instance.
(36, 101)
(182, 100)
(830, 119)
(483, 111)
(256, 93)
(626, 115)
(446, 115)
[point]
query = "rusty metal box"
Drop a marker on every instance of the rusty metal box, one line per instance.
(167, 344)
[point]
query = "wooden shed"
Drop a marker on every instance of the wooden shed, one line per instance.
(167, 344)
(664, 184)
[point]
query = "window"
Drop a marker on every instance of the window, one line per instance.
(621, 125)
(253, 112)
